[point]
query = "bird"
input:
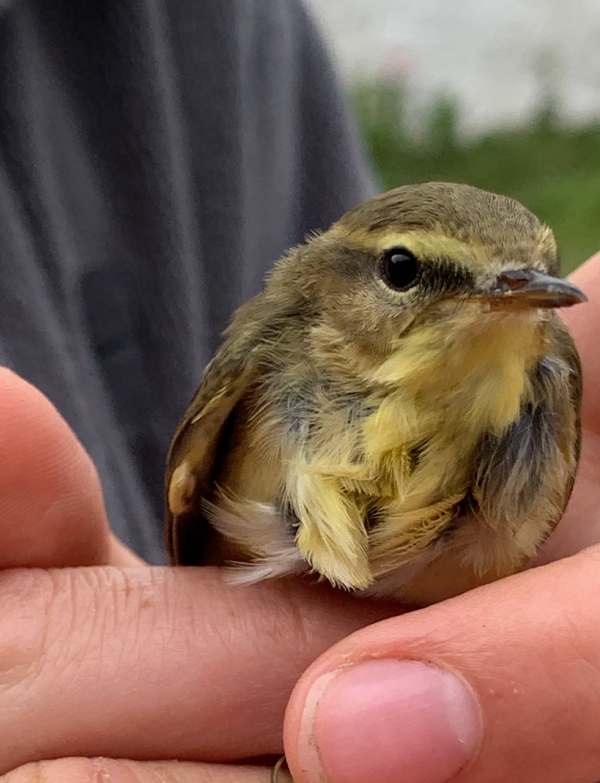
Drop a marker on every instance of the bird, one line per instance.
(396, 413)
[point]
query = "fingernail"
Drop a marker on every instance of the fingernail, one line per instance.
(387, 721)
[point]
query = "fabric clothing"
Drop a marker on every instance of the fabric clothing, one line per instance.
(156, 157)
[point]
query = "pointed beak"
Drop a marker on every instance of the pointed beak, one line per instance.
(530, 288)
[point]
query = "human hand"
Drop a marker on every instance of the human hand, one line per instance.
(499, 684)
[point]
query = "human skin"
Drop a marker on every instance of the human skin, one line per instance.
(103, 656)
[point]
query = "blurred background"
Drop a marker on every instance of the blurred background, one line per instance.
(504, 95)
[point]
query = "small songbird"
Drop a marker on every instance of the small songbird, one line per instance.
(397, 412)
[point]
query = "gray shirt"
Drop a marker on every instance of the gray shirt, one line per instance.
(155, 159)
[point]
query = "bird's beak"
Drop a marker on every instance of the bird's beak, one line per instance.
(530, 288)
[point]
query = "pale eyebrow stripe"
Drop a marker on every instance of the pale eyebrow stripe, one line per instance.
(423, 244)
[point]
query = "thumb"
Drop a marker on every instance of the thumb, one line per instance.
(502, 683)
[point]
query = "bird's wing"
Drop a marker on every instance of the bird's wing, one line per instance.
(192, 453)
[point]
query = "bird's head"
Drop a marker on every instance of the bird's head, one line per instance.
(439, 260)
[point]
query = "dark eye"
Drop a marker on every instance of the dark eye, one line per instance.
(399, 268)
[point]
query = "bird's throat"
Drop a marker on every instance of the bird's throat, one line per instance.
(476, 372)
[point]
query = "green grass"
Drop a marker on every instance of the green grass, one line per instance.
(554, 170)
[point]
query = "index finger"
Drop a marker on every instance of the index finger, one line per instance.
(152, 663)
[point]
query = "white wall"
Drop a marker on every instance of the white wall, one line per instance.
(487, 52)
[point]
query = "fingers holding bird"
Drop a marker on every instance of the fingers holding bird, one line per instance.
(154, 663)
(155, 652)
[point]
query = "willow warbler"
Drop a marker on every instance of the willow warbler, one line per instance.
(398, 410)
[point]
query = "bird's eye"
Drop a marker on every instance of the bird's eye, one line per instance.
(399, 268)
